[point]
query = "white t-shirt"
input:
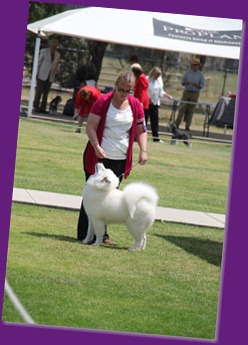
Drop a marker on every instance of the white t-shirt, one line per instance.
(115, 139)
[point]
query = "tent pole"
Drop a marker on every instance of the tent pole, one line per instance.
(224, 83)
(34, 73)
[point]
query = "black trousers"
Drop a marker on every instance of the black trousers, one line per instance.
(42, 89)
(153, 114)
(118, 167)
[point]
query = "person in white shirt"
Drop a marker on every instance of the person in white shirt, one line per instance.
(47, 68)
(155, 92)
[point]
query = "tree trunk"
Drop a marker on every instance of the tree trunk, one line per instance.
(97, 51)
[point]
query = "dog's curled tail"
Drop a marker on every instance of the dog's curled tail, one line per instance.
(136, 191)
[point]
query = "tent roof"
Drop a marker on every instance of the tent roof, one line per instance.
(220, 37)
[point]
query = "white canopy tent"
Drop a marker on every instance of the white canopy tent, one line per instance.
(220, 37)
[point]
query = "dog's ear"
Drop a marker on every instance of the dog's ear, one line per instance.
(99, 167)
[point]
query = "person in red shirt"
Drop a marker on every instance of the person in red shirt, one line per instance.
(141, 87)
(85, 98)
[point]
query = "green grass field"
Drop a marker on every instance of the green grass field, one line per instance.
(171, 288)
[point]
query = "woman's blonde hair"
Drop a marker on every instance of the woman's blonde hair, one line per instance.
(125, 76)
(154, 71)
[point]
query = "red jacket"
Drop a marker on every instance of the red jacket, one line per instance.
(141, 90)
(100, 108)
(80, 103)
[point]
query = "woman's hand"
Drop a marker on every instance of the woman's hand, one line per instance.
(168, 96)
(142, 157)
(100, 153)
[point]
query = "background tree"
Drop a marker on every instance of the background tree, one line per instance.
(96, 51)
(74, 51)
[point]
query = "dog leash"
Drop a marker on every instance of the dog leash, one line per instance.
(128, 170)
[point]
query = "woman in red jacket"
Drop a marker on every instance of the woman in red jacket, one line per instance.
(141, 87)
(85, 98)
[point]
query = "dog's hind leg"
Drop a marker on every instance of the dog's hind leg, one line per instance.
(90, 233)
(99, 227)
(139, 244)
(139, 234)
(144, 242)
(138, 227)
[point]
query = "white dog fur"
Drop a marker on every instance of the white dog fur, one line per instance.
(104, 204)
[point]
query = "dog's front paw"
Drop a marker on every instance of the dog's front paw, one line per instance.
(85, 241)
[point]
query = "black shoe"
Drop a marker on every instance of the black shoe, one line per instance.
(36, 110)
(43, 112)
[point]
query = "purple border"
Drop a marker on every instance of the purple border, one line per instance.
(232, 318)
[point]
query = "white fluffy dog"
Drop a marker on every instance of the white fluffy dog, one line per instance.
(135, 206)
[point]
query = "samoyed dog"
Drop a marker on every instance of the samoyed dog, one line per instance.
(104, 204)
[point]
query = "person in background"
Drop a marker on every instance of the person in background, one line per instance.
(85, 75)
(193, 81)
(116, 120)
(155, 93)
(141, 87)
(47, 68)
(132, 59)
(85, 98)
(203, 60)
